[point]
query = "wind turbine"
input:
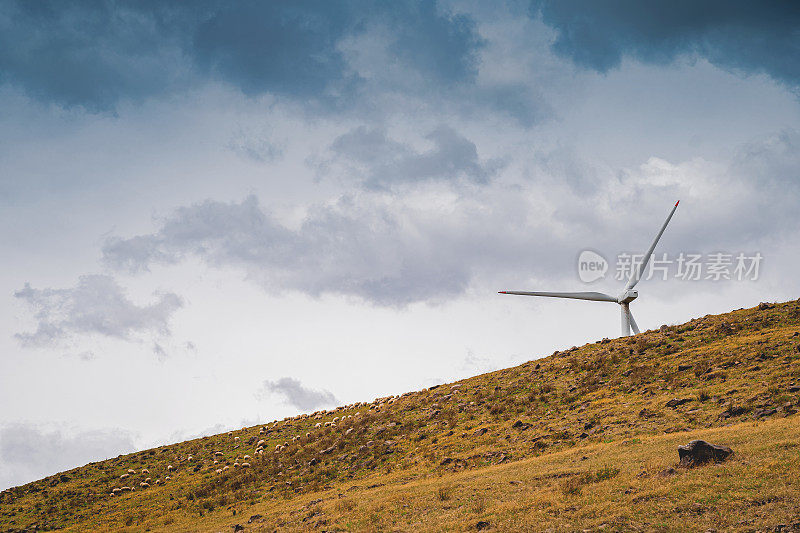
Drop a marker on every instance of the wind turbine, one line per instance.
(625, 297)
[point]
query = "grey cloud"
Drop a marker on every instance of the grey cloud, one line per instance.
(747, 37)
(296, 394)
(96, 305)
(393, 251)
(29, 452)
(384, 162)
(96, 55)
(255, 147)
(388, 255)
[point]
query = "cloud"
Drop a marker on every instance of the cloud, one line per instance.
(95, 56)
(383, 250)
(87, 54)
(436, 242)
(741, 36)
(29, 452)
(297, 395)
(96, 305)
(383, 162)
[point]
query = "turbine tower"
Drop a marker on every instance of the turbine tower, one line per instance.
(624, 299)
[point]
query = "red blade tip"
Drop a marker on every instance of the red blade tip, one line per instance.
(676, 203)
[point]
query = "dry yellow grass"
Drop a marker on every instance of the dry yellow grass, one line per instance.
(756, 490)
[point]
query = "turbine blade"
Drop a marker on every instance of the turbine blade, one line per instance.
(637, 273)
(624, 316)
(634, 326)
(593, 296)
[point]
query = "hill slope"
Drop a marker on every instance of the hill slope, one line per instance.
(573, 440)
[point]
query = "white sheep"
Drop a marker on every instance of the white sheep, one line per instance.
(245, 465)
(131, 471)
(169, 467)
(123, 476)
(145, 471)
(144, 484)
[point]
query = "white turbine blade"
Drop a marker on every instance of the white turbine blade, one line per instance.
(624, 314)
(637, 273)
(593, 296)
(634, 326)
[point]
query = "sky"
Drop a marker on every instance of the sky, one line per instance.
(217, 214)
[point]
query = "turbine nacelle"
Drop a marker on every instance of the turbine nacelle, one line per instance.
(627, 296)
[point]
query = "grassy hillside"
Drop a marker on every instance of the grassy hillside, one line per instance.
(579, 439)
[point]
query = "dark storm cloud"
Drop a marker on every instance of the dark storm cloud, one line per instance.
(296, 394)
(96, 305)
(95, 55)
(742, 36)
(29, 452)
(383, 162)
(87, 54)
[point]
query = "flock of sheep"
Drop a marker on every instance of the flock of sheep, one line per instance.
(245, 460)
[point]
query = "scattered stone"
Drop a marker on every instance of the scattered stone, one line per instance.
(732, 411)
(313, 462)
(253, 518)
(647, 413)
(675, 402)
(681, 368)
(480, 432)
(761, 413)
(794, 388)
(483, 524)
(763, 306)
(667, 472)
(699, 452)
(520, 425)
(237, 527)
